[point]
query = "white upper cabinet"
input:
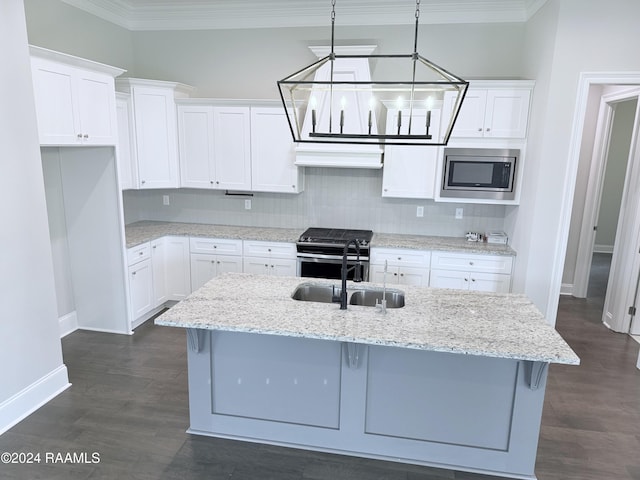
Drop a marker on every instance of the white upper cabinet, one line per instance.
(155, 130)
(232, 147)
(410, 171)
(493, 109)
(236, 147)
(273, 153)
(75, 99)
(125, 152)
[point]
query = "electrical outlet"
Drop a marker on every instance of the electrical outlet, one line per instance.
(420, 212)
(459, 213)
(165, 200)
(247, 204)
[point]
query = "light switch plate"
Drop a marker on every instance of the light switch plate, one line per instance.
(420, 212)
(459, 213)
(247, 204)
(165, 200)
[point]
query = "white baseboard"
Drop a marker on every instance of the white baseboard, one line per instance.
(68, 323)
(603, 248)
(30, 399)
(566, 289)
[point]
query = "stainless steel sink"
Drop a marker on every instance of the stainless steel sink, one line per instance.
(369, 298)
(314, 292)
(364, 296)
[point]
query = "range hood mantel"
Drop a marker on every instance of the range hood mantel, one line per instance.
(356, 110)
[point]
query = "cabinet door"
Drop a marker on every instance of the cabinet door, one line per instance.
(125, 155)
(283, 267)
(226, 263)
(413, 276)
(507, 113)
(96, 99)
(140, 288)
(56, 103)
(159, 272)
(377, 274)
(489, 282)
(273, 152)
(470, 121)
(156, 137)
(203, 269)
(195, 140)
(449, 279)
(232, 147)
(177, 267)
(256, 265)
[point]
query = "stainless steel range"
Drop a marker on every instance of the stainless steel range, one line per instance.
(320, 252)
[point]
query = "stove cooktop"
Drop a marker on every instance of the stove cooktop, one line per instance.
(335, 236)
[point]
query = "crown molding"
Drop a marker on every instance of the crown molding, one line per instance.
(141, 15)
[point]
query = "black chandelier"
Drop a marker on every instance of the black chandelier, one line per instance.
(326, 103)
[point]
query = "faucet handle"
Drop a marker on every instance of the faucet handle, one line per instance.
(357, 272)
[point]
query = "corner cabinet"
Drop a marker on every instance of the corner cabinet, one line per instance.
(410, 171)
(155, 133)
(75, 99)
(493, 109)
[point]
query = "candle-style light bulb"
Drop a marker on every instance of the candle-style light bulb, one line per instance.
(429, 105)
(313, 103)
(343, 103)
(399, 103)
(372, 102)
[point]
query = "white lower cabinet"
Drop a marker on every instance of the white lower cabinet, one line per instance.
(270, 258)
(475, 272)
(171, 270)
(212, 256)
(141, 297)
(404, 267)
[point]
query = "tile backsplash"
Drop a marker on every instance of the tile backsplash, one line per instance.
(338, 198)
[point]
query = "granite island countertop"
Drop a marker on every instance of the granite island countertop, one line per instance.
(146, 230)
(500, 325)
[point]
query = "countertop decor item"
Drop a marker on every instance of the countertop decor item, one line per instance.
(331, 101)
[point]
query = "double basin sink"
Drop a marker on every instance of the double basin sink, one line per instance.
(363, 296)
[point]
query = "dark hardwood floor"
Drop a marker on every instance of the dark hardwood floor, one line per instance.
(129, 404)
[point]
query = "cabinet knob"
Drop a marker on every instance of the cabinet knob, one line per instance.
(143, 182)
(217, 182)
(133, 273)
(488, 129)
(466, 279)
(141, 253)
(211, 182)
(399, 258)
(79, 135)
(473, 279)
(215, 246)
(402, 274)
(395, 274)
(266, 266)
(86, 135)
(293, 186)
(480, 129)
(470, 263)
(268, 249)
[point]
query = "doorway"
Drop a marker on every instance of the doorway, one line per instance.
(606, 247)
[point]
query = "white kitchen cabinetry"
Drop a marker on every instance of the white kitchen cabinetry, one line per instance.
(171, 269)
(493, 110)
(125, 152)
(269, 258)
(410, 171)
(141, 297)
(75, 99)
(155, 130)
(404, 266)
(211, 257)
(476, 272)
(273, 153)
(215, 148)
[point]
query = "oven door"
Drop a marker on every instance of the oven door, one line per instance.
(328, 266)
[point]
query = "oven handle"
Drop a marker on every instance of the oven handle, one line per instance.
(313, 256)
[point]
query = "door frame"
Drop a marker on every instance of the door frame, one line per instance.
(595, 183)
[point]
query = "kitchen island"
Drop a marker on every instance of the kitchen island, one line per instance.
(452, 379)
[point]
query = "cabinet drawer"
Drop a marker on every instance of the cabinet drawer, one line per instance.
(138, 253)
(401, 257)
(254, 248)
(215, 245)
(472, 262)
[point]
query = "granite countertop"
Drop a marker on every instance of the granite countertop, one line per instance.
(473, 323)
(144, 231)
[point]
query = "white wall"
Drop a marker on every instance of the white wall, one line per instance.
(590, 36)
(30, 350)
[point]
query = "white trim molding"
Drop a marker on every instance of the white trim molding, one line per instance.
(68, 323)
(24, 403)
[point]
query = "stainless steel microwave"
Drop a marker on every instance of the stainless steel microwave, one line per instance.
(480, 173)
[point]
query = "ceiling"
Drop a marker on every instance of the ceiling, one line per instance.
(232, 14)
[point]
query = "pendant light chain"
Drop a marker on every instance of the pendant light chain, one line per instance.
(332, 59)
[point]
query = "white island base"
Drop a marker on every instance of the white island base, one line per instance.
(448, 410)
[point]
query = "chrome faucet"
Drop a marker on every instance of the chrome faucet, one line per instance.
(357, 273)
(382, 305)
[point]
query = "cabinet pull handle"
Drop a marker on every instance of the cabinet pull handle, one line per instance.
(480, 129)
(466, 279)
(79, 135)
(473, 279)
(86, 135)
